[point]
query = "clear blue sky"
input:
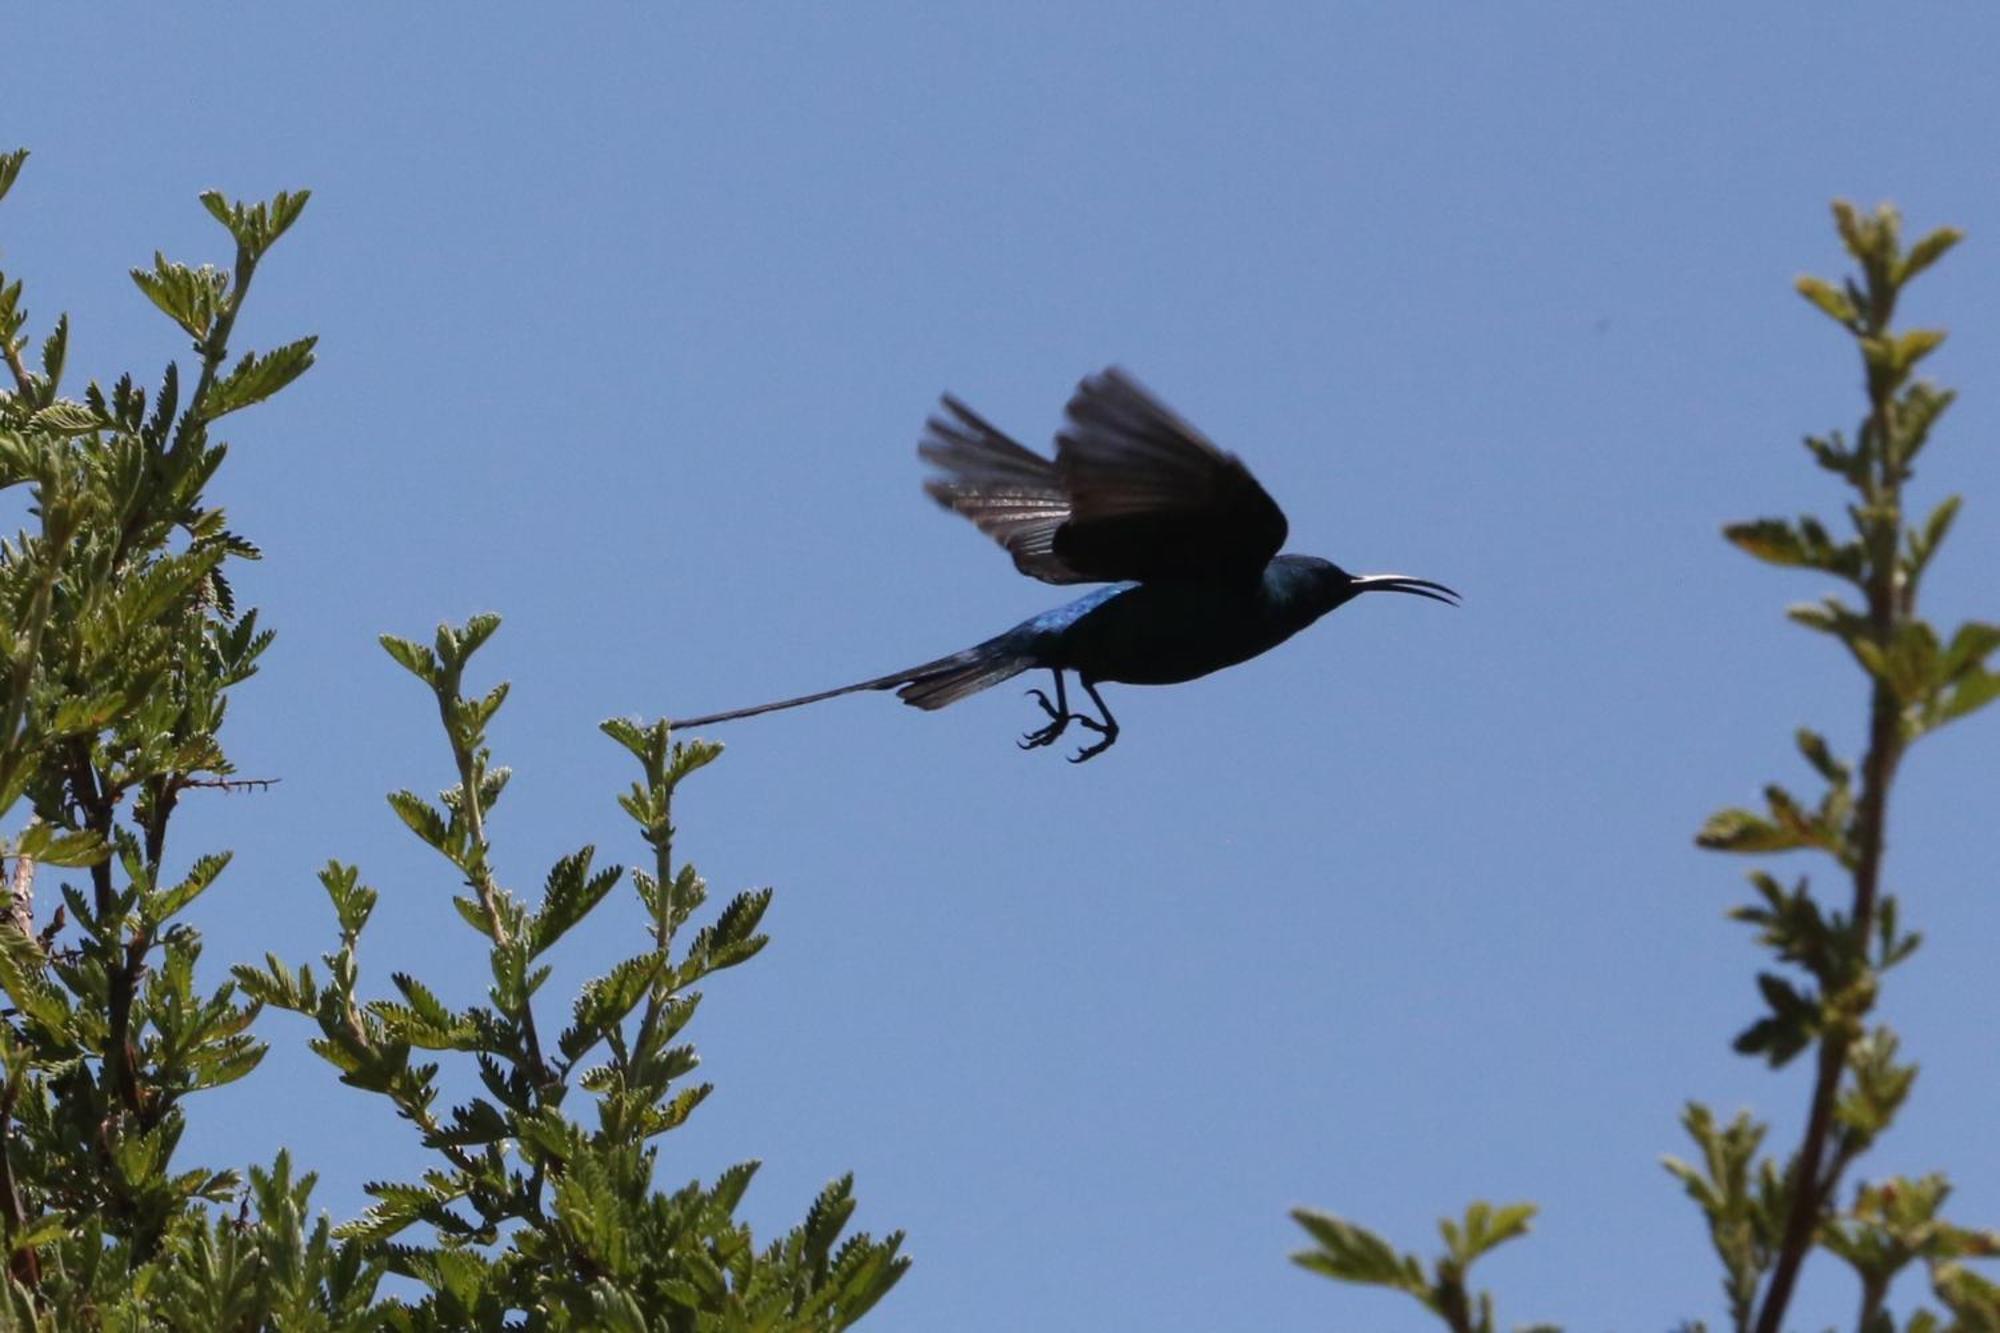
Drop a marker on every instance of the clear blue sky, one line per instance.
(629, 318)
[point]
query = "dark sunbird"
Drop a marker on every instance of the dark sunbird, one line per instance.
(1136, 499)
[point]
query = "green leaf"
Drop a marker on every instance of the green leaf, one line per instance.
(10, 169)
(12, 317)
(1741, 1197)
(1971, 644)
(1974, 691)
(1911, 347)
(256, 378)
(1849, 224)
(166, 905)
(276, 985)
(1829, 299)
(474, 914)
(1923, 542)
(1814, 747)
(1927, 252)
(415, 658)
(40, 1231)
(424, 820)
(1738, 830)
(646, 741)
(55, 352)
(352, 901)
(568, 896)
(691, 755)
(1790, 1027)
(1484, 1228)
(66, 418)
(192, 298)
(24, 978)
(76, 848)
(1805, 544)
(477, 631)
(1963, 683)
(255, 227)
(1832, 453)
(1351, 1253)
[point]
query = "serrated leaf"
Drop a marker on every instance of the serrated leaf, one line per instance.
(415, 658)
(256, 378)
(66, 418)
(166, 905)
(255, 227)
(476, 631)
(74, 848)
(423, 819)
(24, 978)
(691, 755)
(190, 297)
(1354, 1254)
(55, 353)
(569, 895)
(474, 914)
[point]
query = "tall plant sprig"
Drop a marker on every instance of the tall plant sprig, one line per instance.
(121, 643)
(1766, 1220)
(531, 1220)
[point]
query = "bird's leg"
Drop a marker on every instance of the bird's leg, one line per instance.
(1108, 728)
(1059, 715)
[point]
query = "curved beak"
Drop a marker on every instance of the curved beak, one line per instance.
(1437, 592)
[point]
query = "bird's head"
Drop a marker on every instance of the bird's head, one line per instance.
(1331, 586)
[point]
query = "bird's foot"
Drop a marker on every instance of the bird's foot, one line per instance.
(1058, 721)
(1109, 731)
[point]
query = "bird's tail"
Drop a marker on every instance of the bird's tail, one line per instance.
(930, 686)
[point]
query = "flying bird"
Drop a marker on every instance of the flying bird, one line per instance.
(1182, 536)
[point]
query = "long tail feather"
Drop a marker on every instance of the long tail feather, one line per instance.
(930, 686)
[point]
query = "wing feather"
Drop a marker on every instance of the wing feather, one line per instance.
(1012, 493)
(1151, 497)
(1134, 492)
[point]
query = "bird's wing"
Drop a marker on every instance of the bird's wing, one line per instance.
(1014, 494)
(1149, 497)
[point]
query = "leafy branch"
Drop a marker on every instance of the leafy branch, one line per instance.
(574, 1236)
(1350, 1253)
(1765, 1221)
(120, 643)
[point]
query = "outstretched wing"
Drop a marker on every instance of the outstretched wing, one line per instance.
(1014, 494)
(1134, 492)
(1150, 497)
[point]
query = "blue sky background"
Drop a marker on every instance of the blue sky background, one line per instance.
(630, 316)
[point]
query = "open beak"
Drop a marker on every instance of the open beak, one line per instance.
(1437, 592)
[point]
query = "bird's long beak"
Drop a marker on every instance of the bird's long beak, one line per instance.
(1437, 592)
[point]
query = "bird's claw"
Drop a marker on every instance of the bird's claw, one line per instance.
(1089, 752)
(1058, 721)
(1108, 730)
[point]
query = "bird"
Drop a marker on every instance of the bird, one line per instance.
(1183, 538)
